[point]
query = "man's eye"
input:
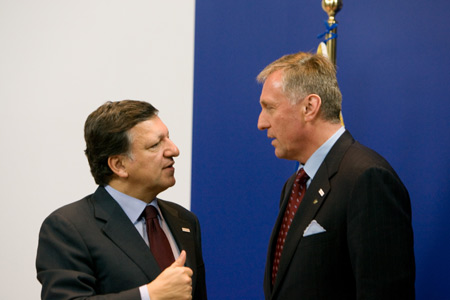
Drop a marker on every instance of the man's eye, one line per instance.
(155, 145)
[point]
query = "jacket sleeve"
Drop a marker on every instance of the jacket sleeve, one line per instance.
(200, 290)
(64, 265)
(380, 237)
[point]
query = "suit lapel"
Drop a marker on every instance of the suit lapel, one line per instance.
(312, 202)
(122, 232)
(182, 232)
(180, 229)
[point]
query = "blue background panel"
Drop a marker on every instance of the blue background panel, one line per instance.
(393, 68)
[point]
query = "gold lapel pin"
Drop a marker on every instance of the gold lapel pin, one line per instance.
(185, 229)
(315, 201)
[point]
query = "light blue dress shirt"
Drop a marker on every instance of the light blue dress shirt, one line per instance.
(313, 163)
(133, 208)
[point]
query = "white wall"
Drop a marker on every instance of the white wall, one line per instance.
(60, 60)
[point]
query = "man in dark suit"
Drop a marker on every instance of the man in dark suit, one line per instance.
(350, 237)
(99, 247)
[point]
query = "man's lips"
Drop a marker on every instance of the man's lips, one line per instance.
(169, 166)
(273, 140)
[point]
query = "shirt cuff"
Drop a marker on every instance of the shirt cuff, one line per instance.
(144, 293)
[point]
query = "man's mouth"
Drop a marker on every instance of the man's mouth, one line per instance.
(169, 166)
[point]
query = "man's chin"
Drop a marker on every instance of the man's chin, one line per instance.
(171, 182)
(282, 155)
(168, 181)
(165, 185)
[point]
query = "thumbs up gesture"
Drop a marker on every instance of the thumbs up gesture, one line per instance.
(175, 282)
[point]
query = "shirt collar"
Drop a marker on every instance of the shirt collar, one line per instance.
(313, 163)
(132, 207)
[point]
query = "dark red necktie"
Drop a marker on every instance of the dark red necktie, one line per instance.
(159, 244)
(297, 193)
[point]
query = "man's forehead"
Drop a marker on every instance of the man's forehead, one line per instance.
(273, 81)
(272, 91)
(276, 78)
(153, 126)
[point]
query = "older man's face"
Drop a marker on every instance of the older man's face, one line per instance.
(283, 121)
(150, 166)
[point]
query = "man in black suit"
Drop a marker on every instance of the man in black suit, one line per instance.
(98, 247)
(351, 235)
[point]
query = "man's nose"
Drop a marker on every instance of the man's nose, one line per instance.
(262, 122)
(172, 149)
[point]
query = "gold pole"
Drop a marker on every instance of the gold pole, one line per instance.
(331, 7)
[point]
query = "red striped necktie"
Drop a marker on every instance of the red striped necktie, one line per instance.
(297, 193)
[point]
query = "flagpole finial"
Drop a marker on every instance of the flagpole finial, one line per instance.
(331, 7)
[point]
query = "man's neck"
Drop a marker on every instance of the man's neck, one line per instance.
(319, 134)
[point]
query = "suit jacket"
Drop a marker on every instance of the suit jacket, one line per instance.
(366, 251)
(91, 250)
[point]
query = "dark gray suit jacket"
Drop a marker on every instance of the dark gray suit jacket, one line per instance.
(90, 250)
(367, 249)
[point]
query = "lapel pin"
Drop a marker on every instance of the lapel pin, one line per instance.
(321, 193)
(185, 229)
(315, 201)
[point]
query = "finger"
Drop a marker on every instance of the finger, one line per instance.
(188, 271)
(179, 262)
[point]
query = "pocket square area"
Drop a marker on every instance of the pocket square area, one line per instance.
(313, 228)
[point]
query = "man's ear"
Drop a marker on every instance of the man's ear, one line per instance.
(116, 164)
(312, 107)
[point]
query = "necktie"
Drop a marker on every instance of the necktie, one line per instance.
(297, 193)
(159, 244)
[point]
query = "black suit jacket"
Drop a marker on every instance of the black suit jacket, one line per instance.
(366, 251)
(90, 250)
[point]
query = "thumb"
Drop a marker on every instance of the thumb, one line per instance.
(179, 262)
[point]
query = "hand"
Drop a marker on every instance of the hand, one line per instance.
(174, 282)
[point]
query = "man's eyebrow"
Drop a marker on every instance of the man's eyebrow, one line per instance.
(265, 103)
(162, 135)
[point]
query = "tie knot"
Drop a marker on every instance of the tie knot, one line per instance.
(301, 176)
(150, 212)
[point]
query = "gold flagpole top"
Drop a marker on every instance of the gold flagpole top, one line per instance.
(331, 7)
